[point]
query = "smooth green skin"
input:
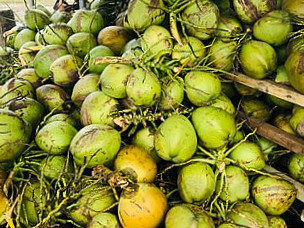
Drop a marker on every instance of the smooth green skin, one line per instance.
(237, 188)
(96, 139)
(156, 42)
(64, 70)
(42, 8)
(30, 75)
(29, 109)
(24, 36)
(104, 220)
(256, 108)
(140, 15)
(251, 10)
(295, 70)
(86, 21)
(248, 215)
(275, 101)
(187, 215)
(57, 33)
(276, 222)
(97, 109)
(93, 201)
(98, 51)
(196, 182)
(201, 24)
(55, 137)
(172, 94)
(54, 166)
(295, 8)
(143, 87)
(83, 87)
(222, 54)
(27, 59)
(15, 88)
(17, 135)
(274, 28)
(282, 121)
(296, 167)
(60, 17)
(80, 44)
(45, 57)
(114, 80)
(36, 19)
(69, 118)
(202, 87)
(52, 97)
(228, 27)
(258, 59)
(223, 102)
(249, 155)
(273, 196)
(144, 138)
(281, 75)
(191, 52)
(215, 127)
(175, 139)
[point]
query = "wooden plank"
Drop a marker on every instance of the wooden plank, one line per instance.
(298, 185)
(281, 91)
(278, 136)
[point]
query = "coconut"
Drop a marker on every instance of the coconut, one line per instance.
(64, 70)
(281, 75)
(45, 57)
(97, 109)
(228, 89)
(187, 215)
(295, 8)
(196, 182)
(258, 59)
(44, 9)
(223, 102)
(102, 220)
(175, 139)
(27, 59)
(83, 87)
(145, 206)
(297, 120)
(39, 39)
(96, 52)
(266, 146)
(95, 144)
(295, 70)
(273, 195)
(245, 90)
(114, 80)
(296, 167)
(200, 23)
(36, 19)
(142, 14)
(11, 34)
(63, 117)
(238, 137)
(23, 36)
(276, 222)
(275, 101)
(172, 94)
(55, 166)
(57, 33)
(215, 127)
(282, 121)
(60, 17)
(132, 44)
(229, 225)
(256, 108)
(274, 28)
(228, 27)
(80, 44)
(16, 134)
(143, 87)
(202, 87)
(89, 21)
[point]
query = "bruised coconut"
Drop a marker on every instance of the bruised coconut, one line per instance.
(297, 120)
(81, 43)
(282, 121)
(295, 167)
(94, 54)
(175, 139)
(172, 94)
(36, 19)
(256, 108)
(229, 27)
(57, 33)
(22, 37)
(294, 66)
(276, 222)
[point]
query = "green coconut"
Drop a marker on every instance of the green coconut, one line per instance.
(69, 118)
(45, 57)
(142, 14)
(223, 102)
(297, 120)
(246, 90)
(228, 89)
(143, 87)
(275, 101)
(102, 220)
(80, 44)
(274, 196)
(258, 59)
(36, 19)
(57, 33)
(11, 34)
(296, 167)
(175, 139)
(200, 23)
(281, 75)
(134, 43)
(238, 137)
(172, 94)
(215, 127)
(24, 36)
(55, 166)
(282, 121)
(196, 182)
(229, 225)
(251, 10)
(228, 27)
(65, 70)
(114, 80)
(295, 8)
(295, 70)
(16, 133)
(266, 146)
(187, 215)
(95, 144)
(202, 87)
(60, 17)
(95, 53)
(97, 109)
(256, 108)
(27, 59)
(274, 28)
(83, 87)
(276, 222)
(39, 38)
(89, 21)
(44, 9)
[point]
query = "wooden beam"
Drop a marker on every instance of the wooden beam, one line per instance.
(281, 91)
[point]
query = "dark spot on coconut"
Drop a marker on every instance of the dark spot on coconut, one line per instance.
(249, 8)
(300, 67)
